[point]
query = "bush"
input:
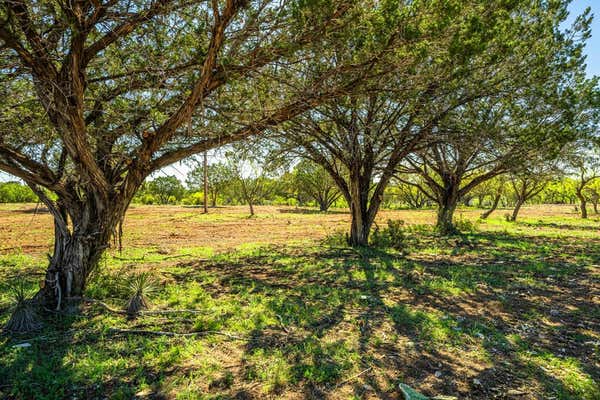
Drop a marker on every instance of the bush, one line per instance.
(15, 192)
(193, 199)
(465, 225)
(393, 236)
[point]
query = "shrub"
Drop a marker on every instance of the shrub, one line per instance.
(393, 235)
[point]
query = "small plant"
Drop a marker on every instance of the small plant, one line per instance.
(338, 238)
(24, 317)
(141, 286)
(464, 225)
(393, 236)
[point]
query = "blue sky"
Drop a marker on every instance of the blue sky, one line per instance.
(593, 44)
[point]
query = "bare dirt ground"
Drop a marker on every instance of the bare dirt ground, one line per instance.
(28, 229)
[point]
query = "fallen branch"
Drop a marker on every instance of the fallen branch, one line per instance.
(100, 303)
(352, 378)
(147, 312)
(175, 334)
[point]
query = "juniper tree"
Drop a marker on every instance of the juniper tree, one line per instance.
(452, 55)
(97, 95)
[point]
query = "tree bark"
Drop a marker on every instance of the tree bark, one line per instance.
(359, 208)
(516, 210)
(495, 203)
(78, 249)
(582, 204)
(446, 207)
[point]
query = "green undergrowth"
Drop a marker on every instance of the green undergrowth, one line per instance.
(439, 313)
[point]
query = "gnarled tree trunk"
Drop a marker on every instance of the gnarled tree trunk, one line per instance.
(447, 202)
(82, 231)
(582, 204)
(494, 206)
(361, 222)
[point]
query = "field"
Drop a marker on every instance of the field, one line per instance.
(279, 307)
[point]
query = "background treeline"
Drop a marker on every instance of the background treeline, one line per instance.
(308, 185)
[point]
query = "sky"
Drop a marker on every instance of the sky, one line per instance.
(593, 45)
(593, 67)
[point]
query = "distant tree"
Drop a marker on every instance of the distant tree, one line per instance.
(249, 176)
(529, 182)
(219, 177)
(166, 189)
(560, 190)
(16, 192)
(496, 188)
(409, 194)
(583, 163)
(312, 179)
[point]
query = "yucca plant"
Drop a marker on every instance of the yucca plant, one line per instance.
(24, 317)
(141, 286)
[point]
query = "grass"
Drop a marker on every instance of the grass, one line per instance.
(506, 310)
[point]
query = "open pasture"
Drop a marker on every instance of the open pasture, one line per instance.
(283, 309)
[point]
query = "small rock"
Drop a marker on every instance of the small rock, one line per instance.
(476, 382)
(438, 374)
(21, 345)
(554, 313)
(514, 392)
(367, 388)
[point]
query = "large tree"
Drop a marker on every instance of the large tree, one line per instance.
(450, 58)
(97, 95)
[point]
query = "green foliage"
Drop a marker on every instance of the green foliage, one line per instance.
(392, 236)
(161, 190)
(140, 286)
(15, 192)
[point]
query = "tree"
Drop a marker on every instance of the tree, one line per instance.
(361, 139)
(529, 119)
(15, 192)
(97, 95)
(497, 188)
(166, 188)
(218, 179)
(409, 194)
(250, 175)
(584, 164)
(316, 183)
(529, 182)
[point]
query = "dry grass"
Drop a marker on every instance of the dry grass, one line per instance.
(223, 229)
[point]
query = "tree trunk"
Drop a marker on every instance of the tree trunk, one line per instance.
(446, 207)
(361, 221)
(77, 250)
(595, 205)
(323, 205)
(582, 204)
(205, 165)
(495, 203)
(251, 208)
(516, 210)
